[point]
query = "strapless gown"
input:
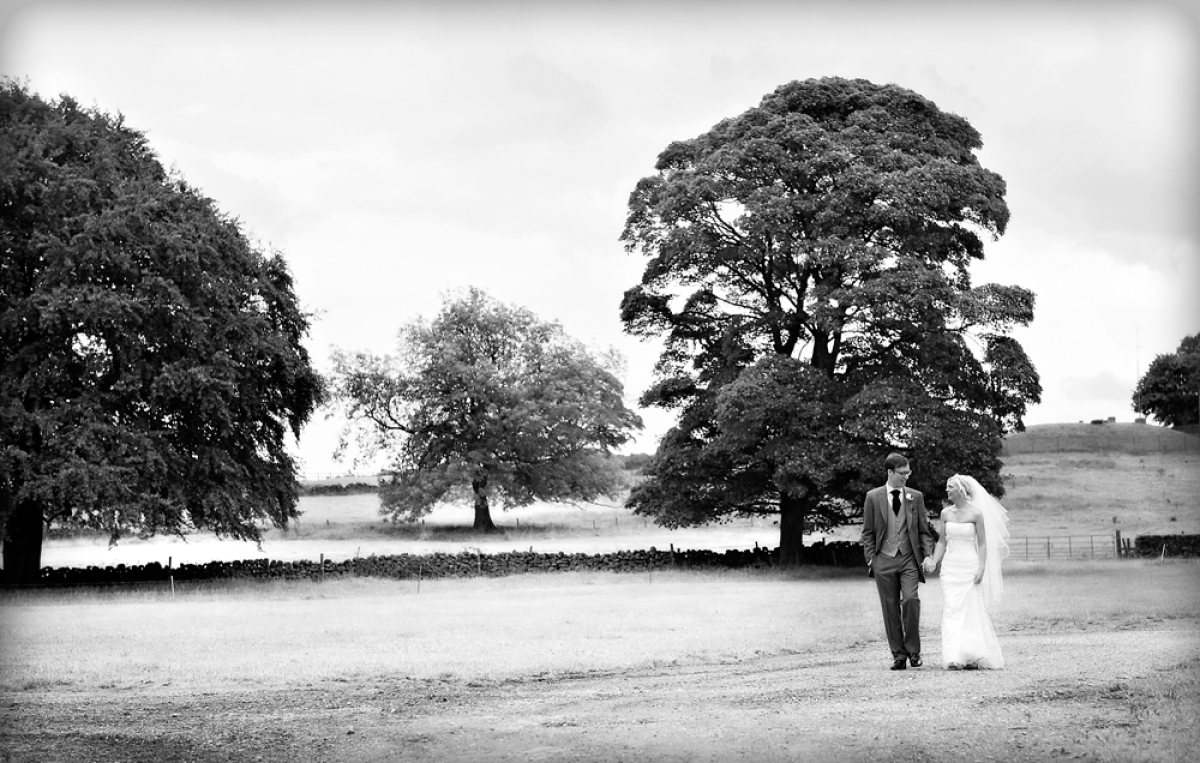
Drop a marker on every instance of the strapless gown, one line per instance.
(968, 637)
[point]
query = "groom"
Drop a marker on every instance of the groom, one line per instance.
(896, 540)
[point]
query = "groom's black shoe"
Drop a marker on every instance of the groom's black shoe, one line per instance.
(898, 664)
(915, 660)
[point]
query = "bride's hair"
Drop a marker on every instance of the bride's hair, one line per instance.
(958, 481)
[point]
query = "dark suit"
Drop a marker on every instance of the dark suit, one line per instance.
(897, 576)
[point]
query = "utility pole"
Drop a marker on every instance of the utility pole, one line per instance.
(1137, 352)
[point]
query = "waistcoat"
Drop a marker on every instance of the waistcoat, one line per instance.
(895, 538)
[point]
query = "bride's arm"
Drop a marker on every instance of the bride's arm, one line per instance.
(940, 549)
(980, 545)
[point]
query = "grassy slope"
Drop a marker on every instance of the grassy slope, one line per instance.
(1124, 438)
(1097, 493)
(1134, 478)
(1144, 477)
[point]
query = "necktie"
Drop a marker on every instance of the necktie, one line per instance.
(896, 502)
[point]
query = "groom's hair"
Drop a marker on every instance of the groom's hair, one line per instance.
(895, 461)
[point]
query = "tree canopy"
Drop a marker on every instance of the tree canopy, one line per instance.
(1170, 389)
(808, 272)
(487, 401)
(151, 365)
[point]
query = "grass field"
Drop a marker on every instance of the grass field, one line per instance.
(1096, 493)
(1100, 438)
(218, 634)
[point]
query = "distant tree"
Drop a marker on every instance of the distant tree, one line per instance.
(486, 401)
(151, 362)
(1170, 389)
(635, 462)
(808, 273)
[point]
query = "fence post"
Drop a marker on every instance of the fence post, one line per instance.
(1118, 542)
(321, 578)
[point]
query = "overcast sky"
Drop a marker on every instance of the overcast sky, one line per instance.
(395, 151)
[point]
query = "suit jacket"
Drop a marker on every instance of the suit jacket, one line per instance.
(875, 525)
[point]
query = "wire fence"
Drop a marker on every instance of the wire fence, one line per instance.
(1063, 547)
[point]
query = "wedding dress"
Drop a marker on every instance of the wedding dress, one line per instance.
(968, 637)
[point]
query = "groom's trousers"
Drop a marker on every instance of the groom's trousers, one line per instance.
(896, 578)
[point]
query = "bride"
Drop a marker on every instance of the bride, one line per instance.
(972, 544)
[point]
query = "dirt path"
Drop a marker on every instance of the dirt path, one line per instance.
(1080, 695)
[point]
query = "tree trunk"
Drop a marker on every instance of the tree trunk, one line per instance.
(483, 515)
(23, 544)
(791, 531)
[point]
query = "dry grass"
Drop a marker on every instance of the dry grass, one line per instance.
(1164, 725)
(1103, 438)
(264, 634)
(1098, 493)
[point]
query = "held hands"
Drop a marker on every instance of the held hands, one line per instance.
(928, 565)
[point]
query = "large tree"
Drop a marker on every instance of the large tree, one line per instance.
(808, 274)
(486, 401)
(151, 363)
(1170, 389)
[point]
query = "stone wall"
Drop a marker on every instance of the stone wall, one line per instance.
(443, 565)
(1174, 546)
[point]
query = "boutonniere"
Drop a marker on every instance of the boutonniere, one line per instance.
(907, 496)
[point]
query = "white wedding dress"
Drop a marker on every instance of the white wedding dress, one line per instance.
(968, 638)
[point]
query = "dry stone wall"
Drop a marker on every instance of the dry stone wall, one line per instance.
(1172, 546)
(443, 565)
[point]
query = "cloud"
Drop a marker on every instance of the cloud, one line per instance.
(553, 96)
(1102, 385)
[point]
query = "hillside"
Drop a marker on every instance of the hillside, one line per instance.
(1099, 438)
(1098, 493)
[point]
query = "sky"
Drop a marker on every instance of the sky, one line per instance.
(397, 152)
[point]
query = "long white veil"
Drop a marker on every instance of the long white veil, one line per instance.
(995, 522)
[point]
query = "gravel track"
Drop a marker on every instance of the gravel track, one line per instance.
(1071, 695)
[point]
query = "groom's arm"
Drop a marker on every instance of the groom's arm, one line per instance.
(924, 535)
(868, 532)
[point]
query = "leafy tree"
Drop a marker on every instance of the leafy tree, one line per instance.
(808, 274)
(488, 401)
(1170, 389)
(150, 358)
